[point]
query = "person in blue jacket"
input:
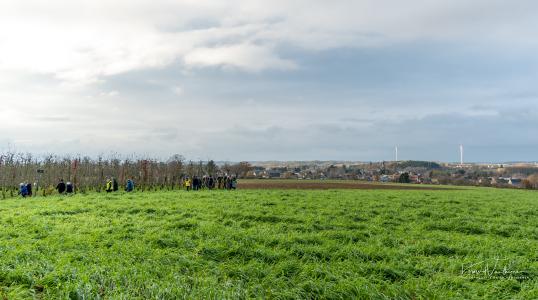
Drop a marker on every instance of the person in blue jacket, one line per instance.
(129, 187)
(23, 190)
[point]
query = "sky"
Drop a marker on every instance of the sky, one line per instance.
(271, 80)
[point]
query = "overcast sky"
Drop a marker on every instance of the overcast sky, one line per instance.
(271, 80)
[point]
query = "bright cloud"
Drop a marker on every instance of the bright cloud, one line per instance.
(85, 41)
(244, 56)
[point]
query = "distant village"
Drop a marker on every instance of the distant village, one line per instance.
(515, 175)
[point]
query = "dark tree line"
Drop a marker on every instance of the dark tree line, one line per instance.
(89, 174)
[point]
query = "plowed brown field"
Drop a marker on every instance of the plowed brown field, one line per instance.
(328, 185)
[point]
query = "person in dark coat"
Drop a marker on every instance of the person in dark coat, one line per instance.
(196, 183)
(69, 188)
(233, 184)
(229, 182)
(29, 189)
(211, 182)
(61, 187)
(115, 185)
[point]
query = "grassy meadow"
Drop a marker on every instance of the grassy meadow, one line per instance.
(274, 244)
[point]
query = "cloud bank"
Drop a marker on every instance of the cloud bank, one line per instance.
(281, 80)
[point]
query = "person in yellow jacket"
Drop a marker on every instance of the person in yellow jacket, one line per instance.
(109, 185)
(188, 184)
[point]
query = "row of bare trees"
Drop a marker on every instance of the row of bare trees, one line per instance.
(531, 182)
(90, 174)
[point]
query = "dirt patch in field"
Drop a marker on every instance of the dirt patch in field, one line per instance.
(305, 185)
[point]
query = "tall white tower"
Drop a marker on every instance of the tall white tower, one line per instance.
(396, 153)
(461, 154)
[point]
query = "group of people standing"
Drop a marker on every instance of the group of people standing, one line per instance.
(224, 182)
(210, 183)
(63, 188)
(25, 189)
(112, 185)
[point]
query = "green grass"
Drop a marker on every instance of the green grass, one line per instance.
(336, 244)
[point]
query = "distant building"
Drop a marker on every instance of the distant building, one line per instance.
(515, 182)
(273, 174)
(415, 178)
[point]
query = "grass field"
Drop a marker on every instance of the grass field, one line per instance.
(281, 244)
